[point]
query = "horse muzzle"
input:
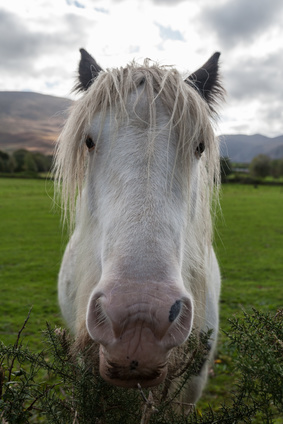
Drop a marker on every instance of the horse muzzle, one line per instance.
(137, 329)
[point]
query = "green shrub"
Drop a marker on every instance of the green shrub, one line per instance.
(61, 386)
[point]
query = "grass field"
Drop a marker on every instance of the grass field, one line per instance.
(249, 245)
(30, 251)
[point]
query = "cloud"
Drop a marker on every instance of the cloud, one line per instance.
(101, 10)
(162, 2)
(21, 47)
(134, 49)
(75, 3)
(167, 33)
(254, 94)
(259, 78)
(168, 2)
(239, 21)
(17, 43)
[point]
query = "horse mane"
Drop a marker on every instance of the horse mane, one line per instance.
(188, 113)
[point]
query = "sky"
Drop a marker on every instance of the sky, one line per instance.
(40, 42)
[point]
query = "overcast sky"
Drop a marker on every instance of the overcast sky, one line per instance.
(40, 41)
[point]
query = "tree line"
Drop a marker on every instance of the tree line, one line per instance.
(261, 166)
(24, 161)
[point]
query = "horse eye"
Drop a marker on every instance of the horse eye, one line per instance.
(200, 149)
(90, 144)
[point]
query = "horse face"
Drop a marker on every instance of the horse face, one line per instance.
(137, 203)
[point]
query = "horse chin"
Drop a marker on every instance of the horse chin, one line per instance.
(127, 375)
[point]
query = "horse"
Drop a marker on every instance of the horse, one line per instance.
(137, 169)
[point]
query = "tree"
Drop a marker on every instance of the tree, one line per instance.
(260, 166)
(274, 168)
(43, 162)
(12, 164)
(29, 163)
(19, 156)
(25, 160)
(2, 165)
(4, 158)
(277, 168)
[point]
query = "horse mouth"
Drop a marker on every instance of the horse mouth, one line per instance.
(130, 374)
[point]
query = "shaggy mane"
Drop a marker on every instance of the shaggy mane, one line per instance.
(189, 115)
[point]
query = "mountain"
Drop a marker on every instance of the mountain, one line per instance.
(30, 120)
(243, 148)
(33, 121)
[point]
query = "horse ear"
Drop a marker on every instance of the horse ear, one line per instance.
(88, 71)
(206, 81)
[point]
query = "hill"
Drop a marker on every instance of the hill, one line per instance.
(243, 148)
(33, 121)
(30, 120)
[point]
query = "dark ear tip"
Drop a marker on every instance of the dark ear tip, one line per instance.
(215, 57)
(84, 53)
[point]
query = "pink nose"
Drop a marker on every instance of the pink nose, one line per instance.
(137, 326)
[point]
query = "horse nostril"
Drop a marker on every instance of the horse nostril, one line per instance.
(175, 310)
(134, 365)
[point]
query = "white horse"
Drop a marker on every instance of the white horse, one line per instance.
(138, 167)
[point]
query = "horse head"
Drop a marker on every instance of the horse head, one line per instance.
(140, 151)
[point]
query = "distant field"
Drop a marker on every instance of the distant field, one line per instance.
(249, 245)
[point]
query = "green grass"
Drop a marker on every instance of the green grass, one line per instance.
(249, 246)
(30, 254)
